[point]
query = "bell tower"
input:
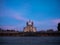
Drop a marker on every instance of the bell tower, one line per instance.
(29, 23)
(29, 27)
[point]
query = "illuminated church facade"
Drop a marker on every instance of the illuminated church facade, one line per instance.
(29, 27)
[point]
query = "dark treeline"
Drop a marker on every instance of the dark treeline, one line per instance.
(49, 32)
(2, 30)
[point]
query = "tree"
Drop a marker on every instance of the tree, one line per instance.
(58, 27)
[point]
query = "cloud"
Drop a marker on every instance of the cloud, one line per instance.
(10, 27)
(56, 21)
(18, 16)
(53, 21)
(7, 27)
(13, 14)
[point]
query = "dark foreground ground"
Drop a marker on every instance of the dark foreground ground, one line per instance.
(50, 40)
(29, 33)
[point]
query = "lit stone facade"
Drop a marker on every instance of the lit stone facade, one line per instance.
(29, 27)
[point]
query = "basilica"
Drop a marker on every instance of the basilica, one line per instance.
(29, 27)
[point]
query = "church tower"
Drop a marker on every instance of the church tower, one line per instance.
(29, 27)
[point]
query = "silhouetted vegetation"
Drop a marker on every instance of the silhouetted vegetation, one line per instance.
(49, 32)
(58, 27)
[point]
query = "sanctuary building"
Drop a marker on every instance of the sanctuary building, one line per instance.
(29, 27)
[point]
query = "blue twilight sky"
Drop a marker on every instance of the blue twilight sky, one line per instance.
(15, 13)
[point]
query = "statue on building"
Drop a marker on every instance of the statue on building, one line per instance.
(29, 27)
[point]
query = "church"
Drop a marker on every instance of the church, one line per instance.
(29, 27)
